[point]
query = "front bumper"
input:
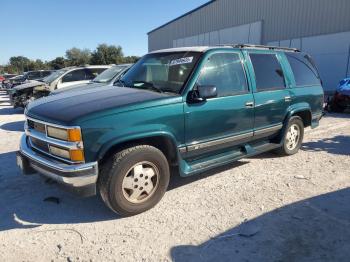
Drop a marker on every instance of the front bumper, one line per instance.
(78, 178)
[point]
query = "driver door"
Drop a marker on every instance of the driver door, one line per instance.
(226, 120)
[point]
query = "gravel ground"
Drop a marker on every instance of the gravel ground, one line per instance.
(265, 208)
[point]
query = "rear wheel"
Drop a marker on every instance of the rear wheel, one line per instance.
(134, 180)
(293, 138)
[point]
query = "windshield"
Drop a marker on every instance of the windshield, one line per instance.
(108, 74)
(161, 72)
(54, 75)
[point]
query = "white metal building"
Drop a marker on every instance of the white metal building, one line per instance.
(318, 27)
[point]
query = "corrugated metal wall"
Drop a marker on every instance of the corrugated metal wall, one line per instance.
(282, 19)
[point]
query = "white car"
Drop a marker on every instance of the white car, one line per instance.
(21, 95)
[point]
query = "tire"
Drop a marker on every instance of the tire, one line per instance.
(287, 149)
(119, 173)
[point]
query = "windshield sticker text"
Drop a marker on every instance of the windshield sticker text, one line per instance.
(180, 61)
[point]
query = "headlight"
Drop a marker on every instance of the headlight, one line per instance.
(72, 135)
(59, 152)
(40, 88)
(73, 154)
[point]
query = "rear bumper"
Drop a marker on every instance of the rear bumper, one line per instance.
(79, 178)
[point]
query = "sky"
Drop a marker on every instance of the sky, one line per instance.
(45, 29)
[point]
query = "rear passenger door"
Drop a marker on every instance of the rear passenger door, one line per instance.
(271, 91)
(227, 119)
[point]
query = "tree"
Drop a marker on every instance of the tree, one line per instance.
(58, 63)
(37, 65)
(76, 56)
(107, 54)
(19, 63)
(130, 59)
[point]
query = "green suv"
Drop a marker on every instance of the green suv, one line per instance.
(183, 109)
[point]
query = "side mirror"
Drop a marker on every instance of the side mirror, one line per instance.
(202, 93)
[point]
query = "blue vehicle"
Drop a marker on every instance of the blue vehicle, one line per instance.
(341, 99)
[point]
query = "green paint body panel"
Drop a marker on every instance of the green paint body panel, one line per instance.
(216, 121)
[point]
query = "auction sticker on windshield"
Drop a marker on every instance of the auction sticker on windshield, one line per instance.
(180, 61)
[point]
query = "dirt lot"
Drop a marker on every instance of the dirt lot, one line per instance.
(265, 208)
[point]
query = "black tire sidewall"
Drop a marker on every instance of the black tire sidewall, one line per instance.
(298, 121)
(117, 200)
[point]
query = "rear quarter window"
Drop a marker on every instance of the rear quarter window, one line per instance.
(305, 73)
(91, 73)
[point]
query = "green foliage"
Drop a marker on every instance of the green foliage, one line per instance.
(19, 63)
(77, 57)
(107, 54)
(103, 55)
(58, 63)
(130, 59)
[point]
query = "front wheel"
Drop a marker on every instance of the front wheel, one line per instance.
(134, 180)
(293, 138)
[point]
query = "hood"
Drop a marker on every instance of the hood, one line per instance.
(77, 87)
(31, 83)
(66, 107)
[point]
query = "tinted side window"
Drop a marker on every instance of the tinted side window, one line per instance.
(76, 75)
(91, 73)
(45, 73)
(304, 71)
(225, 71)
(33, 75)
(268, 72)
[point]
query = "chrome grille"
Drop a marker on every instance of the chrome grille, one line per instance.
(36, 126)
(36, 132)
(41, 145)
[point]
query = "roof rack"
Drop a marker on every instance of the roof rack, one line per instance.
(265, 47)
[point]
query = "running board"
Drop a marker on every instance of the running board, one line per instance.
(189, 168)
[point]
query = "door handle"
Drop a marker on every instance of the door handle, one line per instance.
(249, 104)
(287, 99)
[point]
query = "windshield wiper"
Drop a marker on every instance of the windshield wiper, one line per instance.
(148, 85)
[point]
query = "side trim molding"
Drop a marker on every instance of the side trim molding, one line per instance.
(268, 130)
(197, 146)
(203, 145)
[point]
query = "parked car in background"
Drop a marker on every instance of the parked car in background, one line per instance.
(2, 78)
(340, 101)
(21, 95)
(106, 78)
(27, 76)
(192, 109)
(5, 79)
(7, 83)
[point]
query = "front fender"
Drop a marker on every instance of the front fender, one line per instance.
(129, 138)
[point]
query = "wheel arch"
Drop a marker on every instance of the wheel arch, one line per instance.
(163, 141)
(303, 111)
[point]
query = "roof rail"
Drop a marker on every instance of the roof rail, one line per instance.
(265, 47)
